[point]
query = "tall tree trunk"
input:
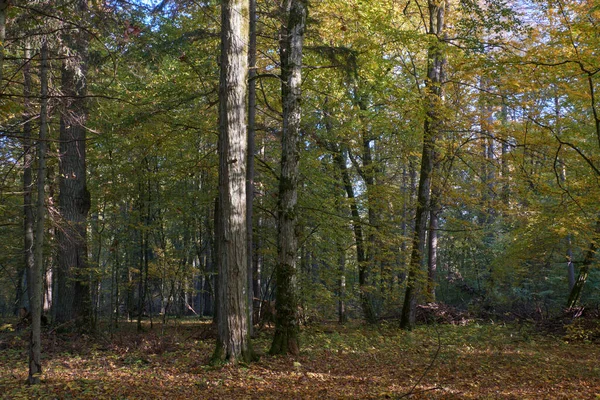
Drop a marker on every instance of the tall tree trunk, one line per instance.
(35, 289)
(73, 301)
(233, 342)
(291, 46)
(251, 149)
(340, 157)
(432, 125)
(3, 8)
(28, 155)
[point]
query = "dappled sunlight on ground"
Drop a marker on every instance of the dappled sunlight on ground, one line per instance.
(356, 361)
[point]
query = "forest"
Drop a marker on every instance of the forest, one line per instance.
(294, 198)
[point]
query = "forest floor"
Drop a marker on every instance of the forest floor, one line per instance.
(354, 361)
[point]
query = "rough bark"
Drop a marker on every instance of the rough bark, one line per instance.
(233, 342)
(286, 321)
(431, 128)
(35, 290)
(251, 149)
(72, 296)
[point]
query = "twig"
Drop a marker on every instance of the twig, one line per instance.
(435, 356)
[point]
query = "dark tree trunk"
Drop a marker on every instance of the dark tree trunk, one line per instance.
(36, 285)
(251, 150)
(72, 297)
(3, 8)
(28, 155)
(286, 320)
(432, 126)
(584, 270)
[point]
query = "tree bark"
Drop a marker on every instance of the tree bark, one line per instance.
(3, 8)
(251, 149)
(432, 125)
(433, 251)
(291, 46)
(35, 290)
(233, 342)
(73, 301)
(28, 156)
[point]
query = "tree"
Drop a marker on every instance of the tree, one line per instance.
(286, 320)
(233, 342)
(431, 130)
(35, 286)
(72, 294)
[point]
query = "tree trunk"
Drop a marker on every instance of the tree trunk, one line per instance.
(432, 125)
(433, 251)
(73, 300)
(342, 317)
(35, 289)
(584, 270)
(251, 147)
(28, 156)
(3, 8)
(233, 342)
(291, 46)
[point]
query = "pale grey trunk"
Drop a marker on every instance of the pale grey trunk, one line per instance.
(342, 317)
(432, 247)
(291, 46)
(72, 293)
(35, 288)
(233, 343)
(431, 129)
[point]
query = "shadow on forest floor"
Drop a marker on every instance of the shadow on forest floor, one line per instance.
(475, 361)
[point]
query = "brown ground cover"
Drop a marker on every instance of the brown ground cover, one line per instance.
(355, 361)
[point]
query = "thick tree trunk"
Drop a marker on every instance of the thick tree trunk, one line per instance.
(432, 126)
(35, 289)
(73, 301)
(291, 46)
(233, 342)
